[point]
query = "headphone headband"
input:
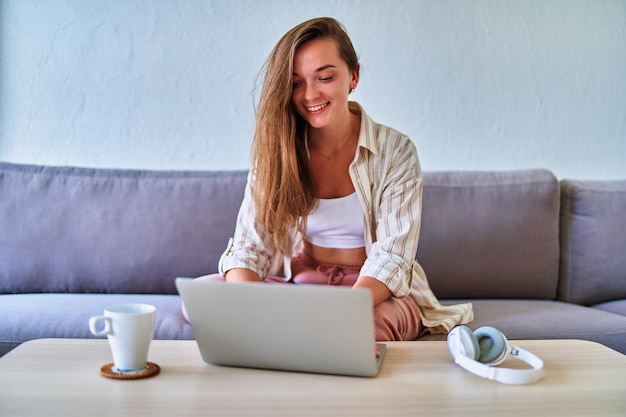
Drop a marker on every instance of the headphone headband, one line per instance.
(503, 375)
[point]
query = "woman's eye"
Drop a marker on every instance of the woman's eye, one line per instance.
(295, 84)
(326, 79)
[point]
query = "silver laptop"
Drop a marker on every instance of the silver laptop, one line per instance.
(303, 328)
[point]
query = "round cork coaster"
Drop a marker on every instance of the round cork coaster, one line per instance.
(151, 369)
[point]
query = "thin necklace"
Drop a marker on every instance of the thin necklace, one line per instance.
(328, 158)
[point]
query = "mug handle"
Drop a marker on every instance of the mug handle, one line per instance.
(107, 325)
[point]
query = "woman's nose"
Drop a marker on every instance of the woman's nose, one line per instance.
(310, 91)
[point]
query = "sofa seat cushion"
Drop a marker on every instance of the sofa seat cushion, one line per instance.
(541, 319)
(616, 307)
(35, 316)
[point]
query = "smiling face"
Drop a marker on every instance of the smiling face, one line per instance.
(321, 84)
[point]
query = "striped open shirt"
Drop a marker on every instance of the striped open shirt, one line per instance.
(387, 178)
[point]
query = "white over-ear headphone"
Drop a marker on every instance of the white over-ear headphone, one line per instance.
(481, 351)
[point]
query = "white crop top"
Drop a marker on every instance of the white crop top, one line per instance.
(337, 223)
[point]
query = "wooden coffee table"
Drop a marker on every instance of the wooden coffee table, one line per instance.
(60, 377)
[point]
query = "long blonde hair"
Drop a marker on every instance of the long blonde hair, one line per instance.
(283, 190)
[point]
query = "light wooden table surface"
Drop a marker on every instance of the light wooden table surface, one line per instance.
(60, 377)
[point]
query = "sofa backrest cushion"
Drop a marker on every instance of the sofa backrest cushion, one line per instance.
(491, 234)
(593, 241)
(68, 229)
(64, 229)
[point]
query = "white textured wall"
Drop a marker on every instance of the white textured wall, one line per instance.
(483, 84)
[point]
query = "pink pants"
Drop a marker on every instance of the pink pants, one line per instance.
(394, 318)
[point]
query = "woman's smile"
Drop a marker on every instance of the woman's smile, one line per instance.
(317, 109)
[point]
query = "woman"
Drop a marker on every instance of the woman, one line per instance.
(332, 195)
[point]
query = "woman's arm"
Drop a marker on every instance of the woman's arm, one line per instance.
(241, 275)
(380, 292)
(391, 185)
(250, 249)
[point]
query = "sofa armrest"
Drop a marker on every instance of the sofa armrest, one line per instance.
(593, 241)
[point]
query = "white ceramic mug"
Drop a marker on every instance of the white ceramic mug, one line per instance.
(129, 328)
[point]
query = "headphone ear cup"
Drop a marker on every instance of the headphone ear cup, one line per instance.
(492, 345)
(469, 342)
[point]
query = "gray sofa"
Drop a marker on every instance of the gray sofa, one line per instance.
(538, 258)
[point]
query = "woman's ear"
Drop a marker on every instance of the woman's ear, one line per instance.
(355, 78)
